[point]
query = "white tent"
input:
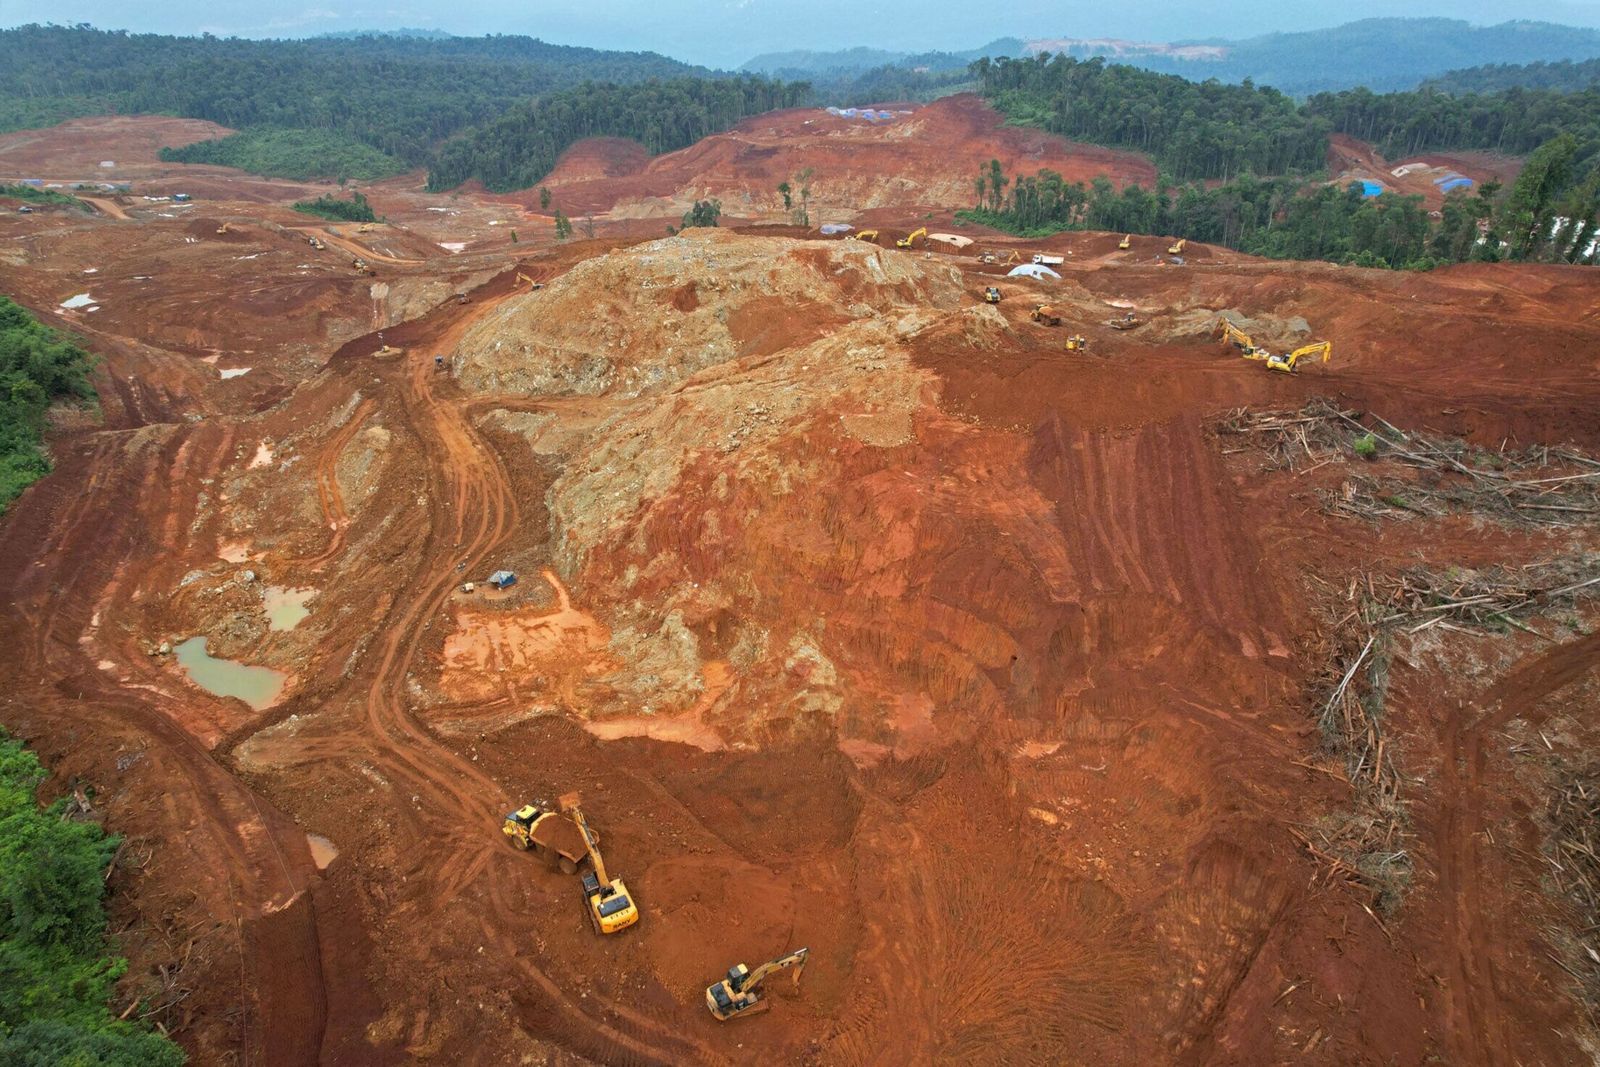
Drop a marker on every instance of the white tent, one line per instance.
(1032, 270)
(951, 239)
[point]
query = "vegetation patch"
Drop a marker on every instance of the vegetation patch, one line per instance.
(34, 195)
(56, 976)
(356, 209)
(303, 155)
(38, 367)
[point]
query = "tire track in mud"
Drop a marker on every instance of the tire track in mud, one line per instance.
(113, 494)
(329, 496)
(1480, 1027)
(473, 512)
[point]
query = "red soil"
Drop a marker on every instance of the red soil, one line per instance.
(928, 158)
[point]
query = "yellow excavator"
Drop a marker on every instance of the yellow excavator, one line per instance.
(739, 994)
(1287, 363)
(864, 235)
(532, 285)
(1126, 243)
(222, 229)
(611, 909)
(1231, 334)
(911, 240)
(1176, 248)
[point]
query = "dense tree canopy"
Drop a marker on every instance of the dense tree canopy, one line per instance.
(38, 367)
(55, 976)
(518, 149)
(398, 95)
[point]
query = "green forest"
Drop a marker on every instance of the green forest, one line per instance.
(1283, 218)
(303, 155)
(1566, 76)
(520, 147)
(1212, 130)
(38, 367)
(56, 977)
(400, 96)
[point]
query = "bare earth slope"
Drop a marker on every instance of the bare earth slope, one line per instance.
(864, 616)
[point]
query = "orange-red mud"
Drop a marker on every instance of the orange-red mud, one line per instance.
(874, 622)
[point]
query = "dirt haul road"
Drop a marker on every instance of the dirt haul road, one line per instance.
(874, 621)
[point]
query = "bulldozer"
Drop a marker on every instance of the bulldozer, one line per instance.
(1288, 363)
(1046, 315)
(864, 235)
(316, 242)
(365, 227)
(991, 295)
(361, 266)
(1128, 321)
(1126, 243)
(739, 994)
(910, 241)
(611, 909)
(1077, 343)
(1176, 248)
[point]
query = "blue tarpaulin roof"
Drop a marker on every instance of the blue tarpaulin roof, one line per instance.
(1371, 188)
(1455, 183)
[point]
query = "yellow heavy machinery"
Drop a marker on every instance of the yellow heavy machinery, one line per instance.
(1128, 321)
(532, 285)
(365, 227)
(1231, 334)
(910, 241)
(1287, 363)
(222, 229)
(1077, 343)
(1126, 243)
(739, 994)
(864, 235)
(536, 827)
(611, 909)
(1176, 248)
(991, 295)
(1046, 315)
(315, 242)
(361, 266)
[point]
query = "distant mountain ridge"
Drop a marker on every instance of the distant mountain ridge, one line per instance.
(1563, 76)
(1383, 54)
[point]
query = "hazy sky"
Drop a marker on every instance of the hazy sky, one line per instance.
(727, 32)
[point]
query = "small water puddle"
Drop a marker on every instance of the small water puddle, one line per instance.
(257, 686)
(323, 851)
(286, 607)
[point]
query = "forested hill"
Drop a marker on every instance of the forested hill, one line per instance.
(521, 146)
(1212, 130)
(1381, 54)
(1563, 77)
(398, 95)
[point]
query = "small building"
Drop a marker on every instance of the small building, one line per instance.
(503, 579)
(180, 198)
(37, 183)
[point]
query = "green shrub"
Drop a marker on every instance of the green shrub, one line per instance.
(55, 976)
(356, 209)
(1366, 447)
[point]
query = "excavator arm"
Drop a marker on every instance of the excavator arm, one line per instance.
(1231, 334)
(1291, 361)
(739, 994)
(796, 959)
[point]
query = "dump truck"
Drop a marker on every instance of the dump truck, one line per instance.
(1046, 315)
(540, 829)
(1044, 259)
